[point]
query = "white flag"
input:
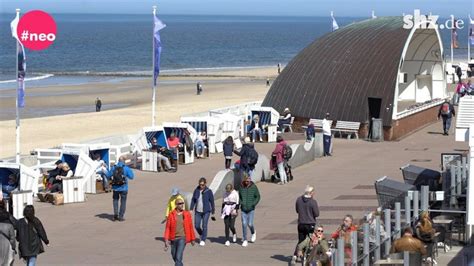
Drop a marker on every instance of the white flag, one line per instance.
(471, 31)
(14, 26)
(334, 23)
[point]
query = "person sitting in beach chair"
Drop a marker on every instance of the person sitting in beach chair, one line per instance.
(58, 181)
(174, 144)
(256, 128)
(284, 119)
(101, 171)
(10, 186)
(200, 145)
(162, 157)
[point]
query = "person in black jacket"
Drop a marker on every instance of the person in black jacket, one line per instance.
(228, 151)
(446, 112)
(30, 233)
(244, 155)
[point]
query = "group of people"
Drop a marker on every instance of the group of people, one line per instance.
(54, 178)
(28, 232)
(179, 229)
(463, 89)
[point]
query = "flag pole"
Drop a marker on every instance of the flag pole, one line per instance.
(452, 39)
(469, 41)
(17, 131)
(153, 117)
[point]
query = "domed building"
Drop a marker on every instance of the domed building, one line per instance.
(370, 69)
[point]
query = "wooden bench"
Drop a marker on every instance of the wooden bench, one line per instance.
(347, 127)
(317, 123)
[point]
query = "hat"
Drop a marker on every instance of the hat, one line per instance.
(174, 191)
(286, 110)
(247, 139)
(58, 162)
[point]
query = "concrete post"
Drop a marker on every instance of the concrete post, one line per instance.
(397, 219)
(354, 247)
(416, 203)
(407, 211)
(377, 237)
(366, 245)
(388, 231)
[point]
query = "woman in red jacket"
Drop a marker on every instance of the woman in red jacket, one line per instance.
(344, 231)
(179, 231)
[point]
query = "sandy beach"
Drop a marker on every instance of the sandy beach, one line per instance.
(126, 105)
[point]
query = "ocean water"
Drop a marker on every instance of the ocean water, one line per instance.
(87, 46)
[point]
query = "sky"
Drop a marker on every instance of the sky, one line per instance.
(354, 8)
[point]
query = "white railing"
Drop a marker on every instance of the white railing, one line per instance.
(415, 110)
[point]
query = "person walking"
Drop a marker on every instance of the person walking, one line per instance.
(119, 175)
(248, 157)
(228, 148)
(230, 205)
(446, 112)
(327, 135)
(98, 104)
(279, 68)
(179, 231)
(7, 240)
(171, 202)
(307, 210)
(30, 233)
(202, 204)
(278, 152)
(249, 197)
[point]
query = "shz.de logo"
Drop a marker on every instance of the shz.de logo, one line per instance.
(36, 30)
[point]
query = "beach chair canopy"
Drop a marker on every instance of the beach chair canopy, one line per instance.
(6, 169)
(268, 115)
(27, 178)
(146, 134)
(204, 123)
(178, 129)
(102, 149)
(233, 124)
(80, 163)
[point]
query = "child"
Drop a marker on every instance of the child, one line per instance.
(228, 151)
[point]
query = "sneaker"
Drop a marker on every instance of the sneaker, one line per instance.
(293, 260)
(121, 219)
(115, 218)
(202, 243)
(245, 243)
(254, 237)
(227, 243)
(234, 238)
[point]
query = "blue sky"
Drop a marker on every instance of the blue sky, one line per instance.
(357, 8)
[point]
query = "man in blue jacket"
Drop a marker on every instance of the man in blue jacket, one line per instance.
(203, 205)
(119, 175)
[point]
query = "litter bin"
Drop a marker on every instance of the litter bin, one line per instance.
(390, 191)
(376, 130)
(419, 176)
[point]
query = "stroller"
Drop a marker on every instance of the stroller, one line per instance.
(276, 175)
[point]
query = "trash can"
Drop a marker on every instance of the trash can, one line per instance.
(376, 130)
(390, 191)
(419, 176)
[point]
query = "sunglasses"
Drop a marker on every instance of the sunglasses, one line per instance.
(180, 203)
(320, 230)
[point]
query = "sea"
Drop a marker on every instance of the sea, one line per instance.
(111, 47)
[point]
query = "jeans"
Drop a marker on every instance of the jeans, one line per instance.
(201, 218)
(282, 172)
(162, 158)
(177, 249)
(303, 231)
(229, 223)
(105, 181)
(123, 203)
(31, 261)
(247, 220)
(199, 146)
(446, 123)
(256, 131)
(228, 163)
(327, 144)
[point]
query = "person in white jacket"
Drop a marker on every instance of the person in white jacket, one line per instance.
(327, 135)
(230, 205)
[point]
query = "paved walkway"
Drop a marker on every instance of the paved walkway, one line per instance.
(85, 234)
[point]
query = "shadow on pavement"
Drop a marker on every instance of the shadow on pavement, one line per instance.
(282, 258)
(107, 216)
(220, 239)
(435, 133)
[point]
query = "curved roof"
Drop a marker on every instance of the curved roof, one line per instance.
(339, 71)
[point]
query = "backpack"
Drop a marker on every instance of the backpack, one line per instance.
(287, 152)
(445, 110)
(118, 177)
(252, 157)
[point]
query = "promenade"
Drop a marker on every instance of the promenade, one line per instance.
(84, 233)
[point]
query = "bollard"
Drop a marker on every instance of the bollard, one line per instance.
(340, 251)
(406, 258)
(366, 245)
(354, 247)
(397, 219)
(452, 190)
(388, 232)
(407, 211)
(416, 204)
(425, 191)
(377, 237)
